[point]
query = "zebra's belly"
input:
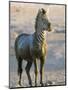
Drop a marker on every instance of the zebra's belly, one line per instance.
(24, 53)
(23, 48)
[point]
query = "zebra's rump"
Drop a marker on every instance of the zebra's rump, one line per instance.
(23, 45)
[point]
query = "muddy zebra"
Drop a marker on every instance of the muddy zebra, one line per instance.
(32, 47)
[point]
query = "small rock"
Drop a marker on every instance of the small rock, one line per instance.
(49, 83)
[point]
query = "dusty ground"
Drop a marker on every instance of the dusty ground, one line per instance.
(56, 76)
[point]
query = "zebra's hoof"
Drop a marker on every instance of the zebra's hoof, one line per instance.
(35, 84)
(19, 83)
(42, 84)
(30, 84)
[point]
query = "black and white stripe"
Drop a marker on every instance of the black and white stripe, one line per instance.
(40, 37)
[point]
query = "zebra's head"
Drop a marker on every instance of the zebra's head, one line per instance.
(42, 22)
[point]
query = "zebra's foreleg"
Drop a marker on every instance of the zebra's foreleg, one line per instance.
(42, 61)
(28, 66)
(19, 70)
(36, 71)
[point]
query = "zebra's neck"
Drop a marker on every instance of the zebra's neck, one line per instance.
(40, 37)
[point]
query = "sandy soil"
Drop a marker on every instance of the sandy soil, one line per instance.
(54, 75)
(57, 78)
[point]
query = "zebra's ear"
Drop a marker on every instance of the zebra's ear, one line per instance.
(42, 11)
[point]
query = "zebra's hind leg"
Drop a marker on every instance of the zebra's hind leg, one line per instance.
(19, 70)
(28, 66)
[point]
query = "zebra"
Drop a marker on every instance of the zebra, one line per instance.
(32, 47)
